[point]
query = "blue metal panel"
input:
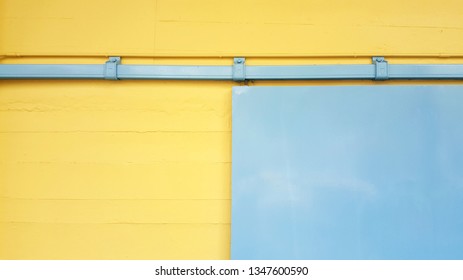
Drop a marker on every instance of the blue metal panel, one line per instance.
(347, 172)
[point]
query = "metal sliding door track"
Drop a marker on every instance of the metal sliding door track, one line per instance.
(114, 70)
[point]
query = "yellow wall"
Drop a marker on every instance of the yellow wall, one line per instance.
(232, 27)
(135, 170)
(141, 169)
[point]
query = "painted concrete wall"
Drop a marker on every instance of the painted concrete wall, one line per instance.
(245, 27)
(141, 169)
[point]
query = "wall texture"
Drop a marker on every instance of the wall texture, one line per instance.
(244, 27)
(141, 169)
(134, 170)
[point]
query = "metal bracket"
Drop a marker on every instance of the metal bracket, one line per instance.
(110, 72)
(381, 68)
(239, 69)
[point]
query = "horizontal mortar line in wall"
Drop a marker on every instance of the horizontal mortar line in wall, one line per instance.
(210, 114)
(118, 131)
(116, 223)
(201, 54)
(442, 27)
(115, 162)
(114, 199)
(16, 106)
(317, 24)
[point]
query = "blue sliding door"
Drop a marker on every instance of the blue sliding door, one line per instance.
(347, 172)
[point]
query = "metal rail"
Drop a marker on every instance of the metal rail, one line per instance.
(114, 70)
